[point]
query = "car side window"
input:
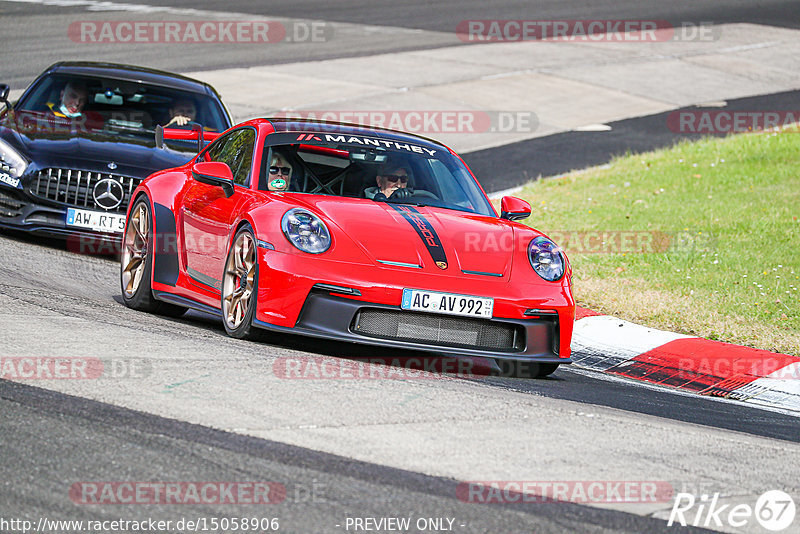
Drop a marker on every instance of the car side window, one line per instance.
(235, 149)
(214, 149)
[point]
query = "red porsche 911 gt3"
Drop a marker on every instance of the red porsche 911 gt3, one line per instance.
(347, 233)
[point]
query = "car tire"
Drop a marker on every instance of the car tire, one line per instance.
(525, 369)
(240, 286)
(136, 263)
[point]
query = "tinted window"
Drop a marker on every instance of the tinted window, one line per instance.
(235, 149)
(123, 107)
(368, 166)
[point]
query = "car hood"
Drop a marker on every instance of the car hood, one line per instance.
(131, 156)
(424, 236)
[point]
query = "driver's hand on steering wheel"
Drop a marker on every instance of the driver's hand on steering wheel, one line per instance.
(180, 120)
(402, 193)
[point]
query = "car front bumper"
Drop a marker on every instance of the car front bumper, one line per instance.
(328, 316)
(17, 212)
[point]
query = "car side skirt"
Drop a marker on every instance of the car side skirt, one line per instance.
(165, 261)
(186, 302)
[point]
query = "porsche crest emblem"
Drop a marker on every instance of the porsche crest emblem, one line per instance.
(441, 264)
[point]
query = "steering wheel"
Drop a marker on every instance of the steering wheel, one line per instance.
(423, 193)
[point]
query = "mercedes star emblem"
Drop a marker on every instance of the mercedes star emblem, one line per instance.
(108, 193)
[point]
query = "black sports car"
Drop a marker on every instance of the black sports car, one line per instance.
(81, 138)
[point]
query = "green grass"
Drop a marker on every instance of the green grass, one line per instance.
(728, 209)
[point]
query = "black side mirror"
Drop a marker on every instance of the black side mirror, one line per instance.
(160, 136)
(200, 141)
(4, 91)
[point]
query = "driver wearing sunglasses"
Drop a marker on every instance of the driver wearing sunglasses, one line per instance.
(280, 174)
(392, 182)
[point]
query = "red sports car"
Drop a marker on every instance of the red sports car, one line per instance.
(348, 233)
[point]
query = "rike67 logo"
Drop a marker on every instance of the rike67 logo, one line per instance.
(774, 510)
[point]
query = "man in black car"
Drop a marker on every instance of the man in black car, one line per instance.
(72, 100)
(182, 112)
(84, 129)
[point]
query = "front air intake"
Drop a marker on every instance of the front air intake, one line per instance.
(438, 330)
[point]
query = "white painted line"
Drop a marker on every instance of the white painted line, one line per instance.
(594, 128)
(714, 104)
(768, 392)
(98, 6)
(599, 375)
(745, 48)
(514, 190)
(780, 388)
(95, 5)
(506, 192)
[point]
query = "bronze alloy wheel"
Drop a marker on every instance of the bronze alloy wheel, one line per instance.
(134, 249)
(136, 263)
(239, 281)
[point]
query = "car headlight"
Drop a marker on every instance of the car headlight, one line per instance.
(546, 259)
(306, 231)
(11, 161)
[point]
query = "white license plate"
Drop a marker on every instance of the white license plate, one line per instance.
(96, 220)
(448, 303)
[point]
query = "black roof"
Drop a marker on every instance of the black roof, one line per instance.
(344, 128)
(131, 73)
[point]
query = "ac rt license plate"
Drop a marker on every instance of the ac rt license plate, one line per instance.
(447, 303)
(96, 220)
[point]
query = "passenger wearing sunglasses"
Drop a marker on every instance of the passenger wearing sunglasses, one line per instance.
(280, 174)
(392, 182)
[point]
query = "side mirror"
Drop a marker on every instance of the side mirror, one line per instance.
(4, 91)
(159, 136)
(514, 209)
(200, 141)
(214, 173)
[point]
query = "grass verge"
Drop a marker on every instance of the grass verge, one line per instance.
(702, 238)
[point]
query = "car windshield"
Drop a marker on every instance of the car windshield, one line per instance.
(108, 105)
(371, 168)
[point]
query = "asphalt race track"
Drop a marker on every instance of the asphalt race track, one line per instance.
(555, 154)
(187, 403)
(29, 35)
(206, 408)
